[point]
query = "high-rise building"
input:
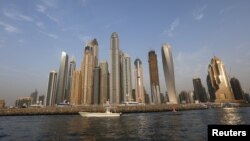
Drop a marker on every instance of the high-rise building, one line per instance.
(33, 96)
(72, 67)
(76, 88)
(115, 88)
(87, 68)
(126, 78)
(168, 67)
(210, 88)
(154, 77)
(236, 87)
(199, 91)
(104, 82)
(139, 86)
(219, 80)
(96, 86)
(94, 45)
(62, 79)
(2, 103)
(51, 92)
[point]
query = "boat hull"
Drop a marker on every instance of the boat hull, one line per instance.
(88, 114)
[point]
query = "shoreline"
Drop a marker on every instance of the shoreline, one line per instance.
(73, 110)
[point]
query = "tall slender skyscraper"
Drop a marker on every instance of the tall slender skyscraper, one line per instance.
(154, 77)
(139, 86)
(76, 88)
(87, 67)
(236, 87)
(104, 82)
(210, 88)
(168, 67)
(96, 86)
(115, 88)
(126, 78)
(51, 92)
(219, 80)
(62, 79)
(72, 67)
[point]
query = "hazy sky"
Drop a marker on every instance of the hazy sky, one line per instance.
(33, 34)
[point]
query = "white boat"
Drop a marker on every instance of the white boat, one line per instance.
(107, 113)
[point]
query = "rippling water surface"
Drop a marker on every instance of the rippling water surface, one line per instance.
(179, 126)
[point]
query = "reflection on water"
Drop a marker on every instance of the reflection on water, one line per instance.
(182, 125)
(231, 116)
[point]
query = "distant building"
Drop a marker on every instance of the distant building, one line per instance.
(162, 97)
(96, 96)
(154, 77)
(51, 91)
(211, 90)
(166, 97)
(104, 82)
(2, 103)
(34, 96)
(236, 87)
(76, 88)
(126, 78)
(247, 97)
(72, 67)
(146, 96)
(139, 86)
(133, 95)
(191, 96)
(62, 79)
(23, 102)
(41, 99)
(184, 97)
(168, 67)
(219, 80)
(199, 91)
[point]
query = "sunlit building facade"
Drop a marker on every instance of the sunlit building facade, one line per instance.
(126, 78)
(104, 82)
(219, 81)
(168, 67)
(62, 79)
(51, 91)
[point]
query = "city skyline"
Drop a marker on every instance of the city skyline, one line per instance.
(33, 34)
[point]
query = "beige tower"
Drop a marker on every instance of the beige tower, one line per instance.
(76, 88)
(87, 67)
(219, 80)
(139, 86)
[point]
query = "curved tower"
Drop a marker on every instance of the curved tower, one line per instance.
(168, 67)
(139, 86)
(115, 88)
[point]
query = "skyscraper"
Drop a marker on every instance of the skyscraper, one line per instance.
(96, 86)
(139, 86)
(219, 80)
(168, 67)
(104, 82)
(51, 92)
(72, 67)
(126, 78)
(87, 67)
(199, 91)
(210, 88)
(76, 88)
(154, 77)
(236, 87)
(62, 79)
(115, 88)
